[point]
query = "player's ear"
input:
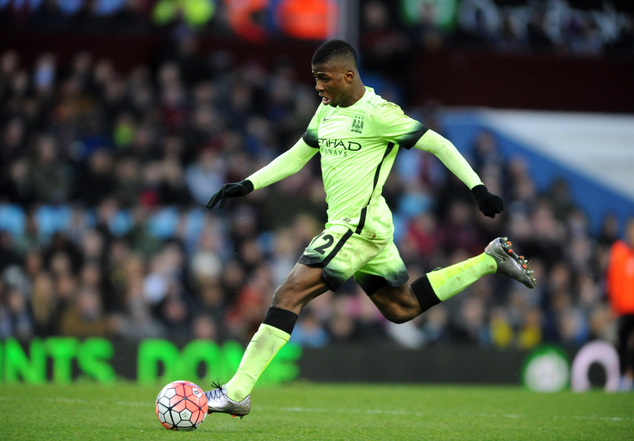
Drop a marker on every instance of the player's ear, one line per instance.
(349, 75)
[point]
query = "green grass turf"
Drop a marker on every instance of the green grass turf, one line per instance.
(325, 412)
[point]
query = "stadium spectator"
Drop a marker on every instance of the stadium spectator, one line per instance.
(94, 179)
(84, 317)
(48, 172)
(620, 280)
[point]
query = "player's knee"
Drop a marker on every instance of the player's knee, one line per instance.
(398, 314)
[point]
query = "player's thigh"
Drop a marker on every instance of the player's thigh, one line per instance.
(339, 253)
(385, 281)
(385, 270)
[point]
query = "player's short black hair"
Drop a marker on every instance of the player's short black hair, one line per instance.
(334, 49)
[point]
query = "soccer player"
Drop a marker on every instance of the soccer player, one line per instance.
(357, 134)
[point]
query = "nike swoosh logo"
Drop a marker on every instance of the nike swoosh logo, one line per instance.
(328, 118)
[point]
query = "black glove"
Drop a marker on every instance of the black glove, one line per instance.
(489, 204)
(232, 190)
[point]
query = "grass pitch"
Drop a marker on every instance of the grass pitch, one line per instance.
(324, 412)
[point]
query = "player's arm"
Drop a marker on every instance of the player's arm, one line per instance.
(449, 155)
(286, 164)
(489, 203)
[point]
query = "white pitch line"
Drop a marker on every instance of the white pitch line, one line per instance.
(350, 411)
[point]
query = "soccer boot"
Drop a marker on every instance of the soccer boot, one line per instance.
(218, 401)
(509, 263)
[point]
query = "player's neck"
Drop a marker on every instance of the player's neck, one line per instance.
(355, 96)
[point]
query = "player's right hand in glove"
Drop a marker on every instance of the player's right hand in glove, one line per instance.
(230, 190)
(489, 204)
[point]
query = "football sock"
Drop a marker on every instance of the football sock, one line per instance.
(272, 334)
(447, 282)
(424, 293)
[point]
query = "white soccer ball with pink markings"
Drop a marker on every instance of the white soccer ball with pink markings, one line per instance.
(181, 405)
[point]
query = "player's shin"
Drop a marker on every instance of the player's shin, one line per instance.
(442, 284)
(273, 333)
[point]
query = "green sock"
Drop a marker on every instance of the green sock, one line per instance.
(447, 282)
(264, 345)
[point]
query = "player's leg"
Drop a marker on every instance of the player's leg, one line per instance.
(629, 371)
(400, 303)
(384, 279)
(325, 264)
(625, 332)
(303, 284)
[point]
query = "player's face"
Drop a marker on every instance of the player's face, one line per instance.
(333, 82)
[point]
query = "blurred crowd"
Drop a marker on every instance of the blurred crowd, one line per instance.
(103, 231)
(390, 32)
(389, 28)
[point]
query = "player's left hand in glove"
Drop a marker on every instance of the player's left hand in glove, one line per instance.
(489, 204)
(230, 190)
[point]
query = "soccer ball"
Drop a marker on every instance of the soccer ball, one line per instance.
(181, 405)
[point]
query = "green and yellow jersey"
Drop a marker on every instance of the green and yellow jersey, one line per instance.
(358, 145)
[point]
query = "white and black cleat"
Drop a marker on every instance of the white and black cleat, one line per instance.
(509, 263)
(218, 401)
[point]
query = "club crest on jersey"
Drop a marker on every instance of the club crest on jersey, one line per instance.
(357, 125)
